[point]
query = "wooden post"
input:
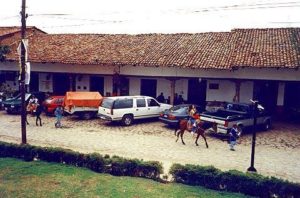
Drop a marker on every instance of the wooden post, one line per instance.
(172, 91)
(236, 97)
(173, 85)
(22, 79)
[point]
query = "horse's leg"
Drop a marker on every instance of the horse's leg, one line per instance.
(178, 135)
(181, 135)
(196, 142)
(202, 134)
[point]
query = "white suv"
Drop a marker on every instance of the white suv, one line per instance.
(129, 108)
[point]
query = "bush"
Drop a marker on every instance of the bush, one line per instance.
(116, 165)
(234, 181)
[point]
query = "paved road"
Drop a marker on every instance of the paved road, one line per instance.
(277, 151)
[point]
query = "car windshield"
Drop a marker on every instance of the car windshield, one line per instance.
(107, 103)
(179, 108)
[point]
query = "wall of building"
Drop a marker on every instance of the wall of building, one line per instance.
(242, 73)
(45, 82)
(82, 83)
(108, 85)
(226, 91)
(246, 91)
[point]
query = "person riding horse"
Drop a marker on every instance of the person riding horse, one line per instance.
(192, 119)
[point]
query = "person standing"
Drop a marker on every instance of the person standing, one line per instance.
(233, 134)
(161, 98)
(58, 114)
(38, 112)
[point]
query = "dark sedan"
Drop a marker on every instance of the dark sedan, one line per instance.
(176, 113)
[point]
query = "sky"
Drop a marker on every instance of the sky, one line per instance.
(151, 16)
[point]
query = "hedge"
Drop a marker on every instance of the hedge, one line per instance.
(234, 181)
(102, 164)
(207, 176)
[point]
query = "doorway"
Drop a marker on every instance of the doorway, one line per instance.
(61, 84)
(97, 84)
(148, 87)
(266, 93)
(197, 92)
(292, 95)
(34, 82)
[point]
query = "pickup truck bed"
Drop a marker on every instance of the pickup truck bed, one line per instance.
(235, 113)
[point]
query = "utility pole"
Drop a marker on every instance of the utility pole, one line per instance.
(22, 79)
(251, 168)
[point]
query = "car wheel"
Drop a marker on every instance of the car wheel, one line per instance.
(86, 115)
(127, 120)
(240, 130)
(267, 125)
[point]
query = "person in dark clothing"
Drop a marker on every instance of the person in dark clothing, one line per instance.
(161, 98)
(38, 112)
(180, 100)
(233, 135)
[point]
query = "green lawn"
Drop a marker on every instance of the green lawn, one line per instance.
(41, 179)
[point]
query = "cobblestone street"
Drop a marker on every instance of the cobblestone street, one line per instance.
(277, 150)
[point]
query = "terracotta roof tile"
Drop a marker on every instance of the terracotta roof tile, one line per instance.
(278, 47)
(220, 50)
(8, 30)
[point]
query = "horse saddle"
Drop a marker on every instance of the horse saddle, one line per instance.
(189, 126)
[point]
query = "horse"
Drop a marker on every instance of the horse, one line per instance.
(200, 130)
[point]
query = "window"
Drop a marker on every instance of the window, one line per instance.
(124, 103)
(152, 103)
(213, 86)
(107, 103)
(140, 103)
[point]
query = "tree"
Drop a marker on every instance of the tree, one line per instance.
(4, 49)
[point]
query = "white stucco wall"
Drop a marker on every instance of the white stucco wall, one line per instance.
(163, 85)
(225, 92)
(82, 83)
(246, 91)
(134, 86)
(242, 73)
(181, 88)
(45, 84)
(108, 85)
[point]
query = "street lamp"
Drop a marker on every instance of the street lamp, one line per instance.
(254, 112)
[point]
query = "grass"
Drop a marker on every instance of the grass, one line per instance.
(42, 179)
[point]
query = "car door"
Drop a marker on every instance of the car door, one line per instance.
(141, 109)
(153, 107)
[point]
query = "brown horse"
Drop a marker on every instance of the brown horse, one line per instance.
(200, 129)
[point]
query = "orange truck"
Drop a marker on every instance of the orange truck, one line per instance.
(83, 104)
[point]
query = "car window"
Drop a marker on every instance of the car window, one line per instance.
(152, 103)
(107, 103)
(123, 103)
(59, 101)
(140, 103)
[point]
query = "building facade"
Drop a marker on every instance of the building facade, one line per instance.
(260, 64)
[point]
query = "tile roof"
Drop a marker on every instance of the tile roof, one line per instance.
(8, 30)
(184, 50)
(214, 50)
(278, 47)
